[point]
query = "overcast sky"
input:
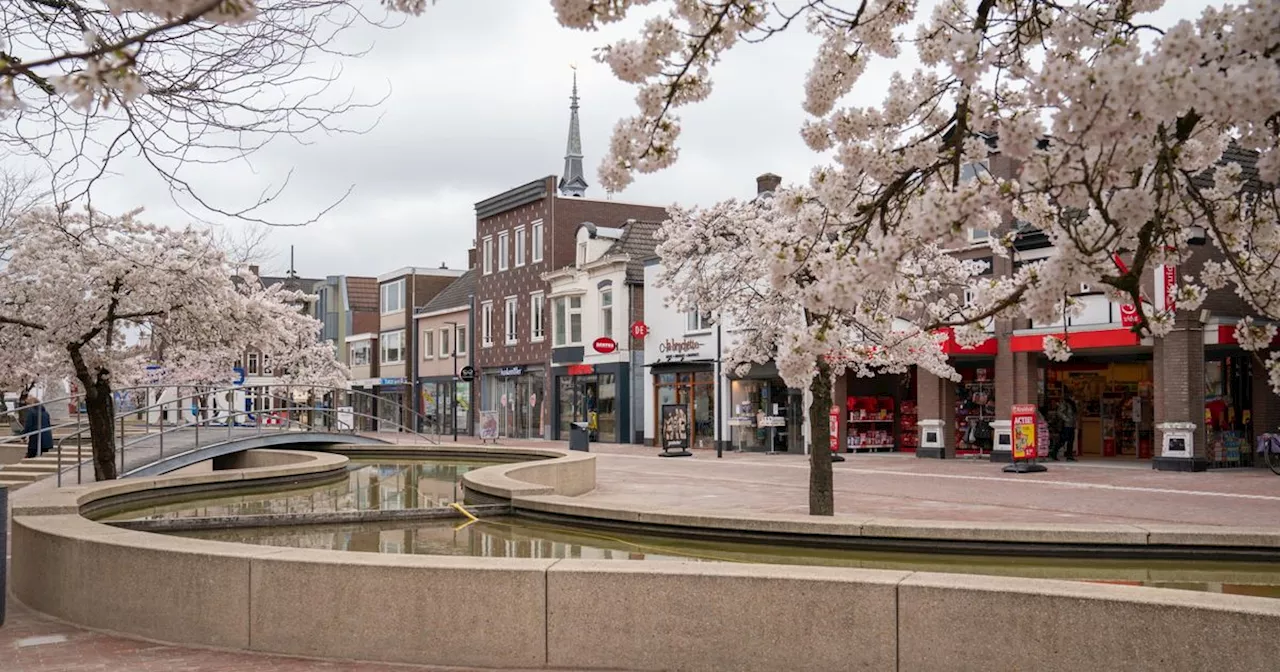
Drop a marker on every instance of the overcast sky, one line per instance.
(478, 103)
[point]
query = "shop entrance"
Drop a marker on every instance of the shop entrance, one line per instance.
(1114, 402)
(695, 391)
(591, 399)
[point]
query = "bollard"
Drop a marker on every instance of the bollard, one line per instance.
(4, 548)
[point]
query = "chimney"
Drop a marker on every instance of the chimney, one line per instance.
(768, 182)
(471, 258)
(443, 266)
(253, 268)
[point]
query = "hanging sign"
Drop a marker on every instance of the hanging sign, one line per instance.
(604, 345)
(1128, 315)
(468, 373)
(639, 329)
(1025, 432)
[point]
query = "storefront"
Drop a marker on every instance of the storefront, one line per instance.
(687, 391)
(765, 415)
(1228, 409)
(879, 413)
(975, 406)
(395, 405)
(1114, 399)
(518, 395)
(445, 404)
(597, 394)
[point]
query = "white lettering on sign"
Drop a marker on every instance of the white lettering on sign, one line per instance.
(673, 347)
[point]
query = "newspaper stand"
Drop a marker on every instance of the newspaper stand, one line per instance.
(1029, 434)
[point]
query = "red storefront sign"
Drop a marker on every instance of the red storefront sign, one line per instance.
(835, 429)
(582, 369)
(1025, 432)
(1128, 314)
(639, 329)
(1170, 284)
(604, 345)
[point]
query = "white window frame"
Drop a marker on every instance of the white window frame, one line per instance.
(567, 318)
(486, 324)
(536, 241)
(384, 340)
(511, 320)
(606, 312)
(445, 351)
(976, 236)
(504, 251)
(537, 317)
(253, 364)
(460, 340)
(366, 347)
(387, 289)
(520, 247)
(697, 322)
(487, 246)
(428, 344)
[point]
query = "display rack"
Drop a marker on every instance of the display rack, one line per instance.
(908, 424)
(871, 424)
(974, 406)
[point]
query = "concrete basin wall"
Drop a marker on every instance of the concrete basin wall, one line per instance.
(529, 613)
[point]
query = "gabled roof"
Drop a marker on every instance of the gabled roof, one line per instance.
(637, 242)
(456, 295)
(362, 294)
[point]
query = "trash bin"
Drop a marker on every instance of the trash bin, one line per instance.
(4, 547)
(579, 437)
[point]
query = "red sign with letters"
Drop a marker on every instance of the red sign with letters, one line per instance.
(604, 345)
(639, 329)
(581, 370)
(835, 429)
(1128, 314)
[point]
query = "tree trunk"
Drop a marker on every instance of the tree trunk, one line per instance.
(821, 488)
(100, 406)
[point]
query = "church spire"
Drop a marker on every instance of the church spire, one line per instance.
(572, 183)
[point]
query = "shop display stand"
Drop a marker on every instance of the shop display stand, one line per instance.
(1025, 467)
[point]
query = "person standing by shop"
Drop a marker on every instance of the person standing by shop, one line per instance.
(1066, 413)
(37, 426)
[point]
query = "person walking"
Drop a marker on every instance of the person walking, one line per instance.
(37, 426)
(1066, 412)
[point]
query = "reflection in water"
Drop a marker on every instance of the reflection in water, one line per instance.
(368, 486)
(516, 538)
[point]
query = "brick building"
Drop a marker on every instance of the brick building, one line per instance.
(521, 234)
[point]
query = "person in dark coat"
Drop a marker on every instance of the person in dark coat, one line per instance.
(38, 428)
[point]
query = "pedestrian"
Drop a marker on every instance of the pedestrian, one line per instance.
(1066, 412)
(37, 426)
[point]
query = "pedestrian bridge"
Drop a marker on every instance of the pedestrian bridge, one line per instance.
(160, 429)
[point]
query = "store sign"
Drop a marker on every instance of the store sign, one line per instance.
(685, 347)
(1025, 426)
(835, 429)
(391, 381)
(488, 430)
(604, 345)
(675, 426)
(582, 370)
(511, 371)
(763, 420)
(1128, 315)
(1166, 287)
(468, 373)
(639, 329)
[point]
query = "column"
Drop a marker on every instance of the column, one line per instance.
(936, 403)
(1006, 380)
(1180, 432)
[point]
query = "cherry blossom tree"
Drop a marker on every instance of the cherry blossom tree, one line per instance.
(1127, 137)
(176, 83)
(97, 298)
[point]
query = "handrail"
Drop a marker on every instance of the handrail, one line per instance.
(228, 415)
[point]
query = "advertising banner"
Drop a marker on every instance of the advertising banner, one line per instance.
(488, 430)
(675, 426)
(1025, 432)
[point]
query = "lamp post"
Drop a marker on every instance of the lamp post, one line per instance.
(453, 384)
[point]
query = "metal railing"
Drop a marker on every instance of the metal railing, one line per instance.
(274, 406)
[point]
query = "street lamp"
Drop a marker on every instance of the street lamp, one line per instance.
(453, 391)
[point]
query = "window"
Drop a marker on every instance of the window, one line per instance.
(486, 324)
(488, 255)
(444, 343)
(568, 323)
(428, 344)
(504, 250)
(360, 353)
(606, 313)
(461, 344)
(970, 171)
(697, 321)
(392, 299)
(582, 253)
(537, 322)
(511, 320)
(253, 363)
(519, 246)
(536, 243)
(392, 347)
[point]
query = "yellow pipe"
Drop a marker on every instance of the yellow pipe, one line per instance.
(463, 511)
